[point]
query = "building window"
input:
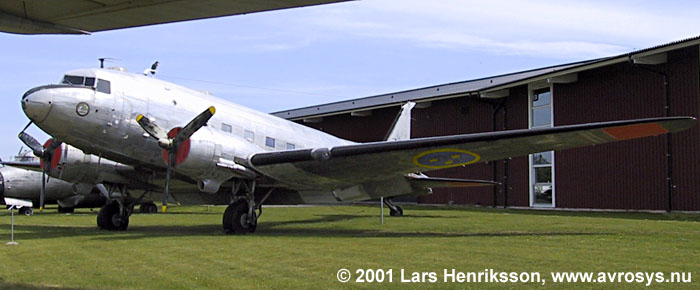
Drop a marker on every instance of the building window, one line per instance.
(270, 142)
(249, 135)
(226, 127)
(541, 164)
(291, 146)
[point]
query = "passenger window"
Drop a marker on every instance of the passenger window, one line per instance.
(104, 86)
(270, 142)
(249, 135)
(290, 146)
(225, 127)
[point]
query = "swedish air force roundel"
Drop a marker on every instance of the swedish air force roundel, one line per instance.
(444, 158)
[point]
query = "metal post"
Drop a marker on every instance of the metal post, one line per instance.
(381, 206)
(12, 226)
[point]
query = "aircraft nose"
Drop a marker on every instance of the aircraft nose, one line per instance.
(37, 103)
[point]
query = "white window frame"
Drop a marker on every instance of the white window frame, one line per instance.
(249, 136)
(531, 167)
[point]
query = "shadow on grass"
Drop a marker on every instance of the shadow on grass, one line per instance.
(25, 286)
(270, 229)
(590, 214)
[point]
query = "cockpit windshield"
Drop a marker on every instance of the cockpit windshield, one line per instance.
(100, 85)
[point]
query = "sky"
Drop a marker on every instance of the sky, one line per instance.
(278, 60)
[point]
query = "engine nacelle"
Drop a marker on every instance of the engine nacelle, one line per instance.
(201, 165)
(209, 185)
(82, 188)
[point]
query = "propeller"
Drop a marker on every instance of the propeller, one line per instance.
(175, 143)
(46, 154)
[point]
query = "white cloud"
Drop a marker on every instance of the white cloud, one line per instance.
(553, 29)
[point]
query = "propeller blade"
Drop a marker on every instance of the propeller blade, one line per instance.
(54, 144)
(32, 143)
(43, 191)
(194, 125)
(151, 128)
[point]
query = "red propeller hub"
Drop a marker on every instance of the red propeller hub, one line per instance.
(183, 150)
(55, 156)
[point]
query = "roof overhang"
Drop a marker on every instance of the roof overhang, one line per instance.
(491, 87)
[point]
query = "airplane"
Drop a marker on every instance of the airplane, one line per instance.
(22, 184)
(78, 181)
(244, 158)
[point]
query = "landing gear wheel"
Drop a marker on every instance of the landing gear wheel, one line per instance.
(236, 219)
(26, 211)
(109, 218)
(148, 208)
(66, 209)
(397, 212)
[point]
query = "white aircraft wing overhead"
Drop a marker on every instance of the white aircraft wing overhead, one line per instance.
(85, 16)
(342, 166)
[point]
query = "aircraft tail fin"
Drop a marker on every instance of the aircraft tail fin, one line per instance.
(401, 129)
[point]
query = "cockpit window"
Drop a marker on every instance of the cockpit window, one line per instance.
(104, 86)
(73, 80)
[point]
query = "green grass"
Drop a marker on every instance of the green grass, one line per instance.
(304, 247)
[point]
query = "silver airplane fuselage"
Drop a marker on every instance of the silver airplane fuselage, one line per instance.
(96, 110)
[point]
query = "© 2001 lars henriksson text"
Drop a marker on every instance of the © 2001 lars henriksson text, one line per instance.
(492, 276)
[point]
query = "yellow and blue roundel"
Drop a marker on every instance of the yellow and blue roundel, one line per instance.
(444, 158)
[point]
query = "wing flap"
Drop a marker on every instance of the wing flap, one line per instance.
(442, 182)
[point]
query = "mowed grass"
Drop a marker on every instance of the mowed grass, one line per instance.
(304, 247)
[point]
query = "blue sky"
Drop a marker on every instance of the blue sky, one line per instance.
(292, 58)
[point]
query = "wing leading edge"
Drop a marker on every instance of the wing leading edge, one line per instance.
(85, 16)
(344, 166)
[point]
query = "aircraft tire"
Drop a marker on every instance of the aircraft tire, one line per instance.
(26, 211)
(397, 212)
(148, 208)
(235, 219)
(109, 218)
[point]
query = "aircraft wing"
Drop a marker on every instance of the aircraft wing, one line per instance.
(336, 167)
(85, 16)
(34, 166)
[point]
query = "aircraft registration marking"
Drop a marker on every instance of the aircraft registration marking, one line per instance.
(444, 158)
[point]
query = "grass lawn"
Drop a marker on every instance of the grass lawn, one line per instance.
(304, 247)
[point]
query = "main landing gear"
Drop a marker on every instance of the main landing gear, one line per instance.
(148, 207)
(394, 210)
(240, 216)
(114, 216)
(26, 211)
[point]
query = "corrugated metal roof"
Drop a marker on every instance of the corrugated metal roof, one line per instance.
(469, 87)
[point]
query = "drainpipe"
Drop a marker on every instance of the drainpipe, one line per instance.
(667, 109)
(495, 108)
